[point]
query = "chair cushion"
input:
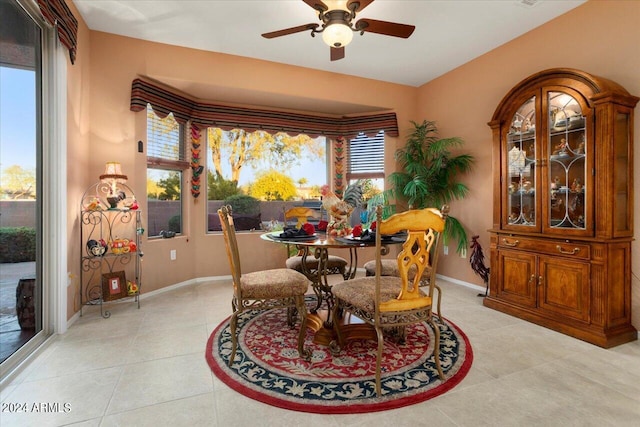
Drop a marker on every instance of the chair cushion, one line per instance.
(361, 292)
(390, 268)
(275, 283)
(295, 262)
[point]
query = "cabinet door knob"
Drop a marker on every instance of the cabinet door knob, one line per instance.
(539, 280)
(508, 243)
(532, 279)
(571, 252)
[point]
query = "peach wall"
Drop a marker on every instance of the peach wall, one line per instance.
(78, 152)
(114, 130)
(601, 38)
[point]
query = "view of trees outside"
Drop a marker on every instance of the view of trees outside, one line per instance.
(240, 165)
(18, 183)
(163, 185)
(273, 185)
(166, 155)
(265, 166)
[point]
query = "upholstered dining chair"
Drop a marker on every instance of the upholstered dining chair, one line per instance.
(263, 290)
(335, 264)
(390, 303)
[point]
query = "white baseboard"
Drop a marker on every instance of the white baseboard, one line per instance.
(183, 284)
(198, 280)
(146, 295)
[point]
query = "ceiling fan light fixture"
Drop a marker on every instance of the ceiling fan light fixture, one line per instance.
(337, 35)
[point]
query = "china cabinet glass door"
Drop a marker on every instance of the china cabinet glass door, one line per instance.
(521, 166)
(567, 177)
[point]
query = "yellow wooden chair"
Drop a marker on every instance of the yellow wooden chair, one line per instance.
(389, 267)
(263, 290)
(391, 303)
(301, 214)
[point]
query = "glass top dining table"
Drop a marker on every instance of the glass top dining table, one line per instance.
(314, 250)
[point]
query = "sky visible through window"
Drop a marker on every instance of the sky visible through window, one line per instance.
(17, 127)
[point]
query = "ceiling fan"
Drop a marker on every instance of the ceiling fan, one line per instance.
(337, 25)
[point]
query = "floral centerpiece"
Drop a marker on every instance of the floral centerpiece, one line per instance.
(340, 210)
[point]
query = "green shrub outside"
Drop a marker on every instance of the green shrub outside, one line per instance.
(174, 224)
(243, 204)
(17, 244)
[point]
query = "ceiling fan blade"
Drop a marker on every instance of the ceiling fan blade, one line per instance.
(383, 27)
(337, 53)
(291, 30)
(358, 5)
(317, 5)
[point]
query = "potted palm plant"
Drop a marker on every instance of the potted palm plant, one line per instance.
(429, 175)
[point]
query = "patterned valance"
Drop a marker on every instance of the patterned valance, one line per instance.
(58, 14)
(165, 100)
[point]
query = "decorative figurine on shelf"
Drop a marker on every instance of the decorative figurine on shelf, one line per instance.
(96, 248)
(526, 186)
(580, 149)
(94, 205)
(120, 246)
(115, 199)
(132, 287)
(131, 204)
(516, 126)
(340, 209)
(561, 148)
(576, 186)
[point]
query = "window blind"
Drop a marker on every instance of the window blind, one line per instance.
(165, 140)
(366, 156)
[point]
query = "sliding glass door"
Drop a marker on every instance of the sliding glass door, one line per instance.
(22, 44)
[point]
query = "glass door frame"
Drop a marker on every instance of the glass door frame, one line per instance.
(537, 176)
(546, 153)
(51, 133)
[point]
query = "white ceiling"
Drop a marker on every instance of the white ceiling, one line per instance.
(448, 33)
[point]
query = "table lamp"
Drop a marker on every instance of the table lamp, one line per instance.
(112, 176)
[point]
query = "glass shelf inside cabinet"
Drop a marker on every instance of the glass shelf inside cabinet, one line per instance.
(567, 162)
(521, 162)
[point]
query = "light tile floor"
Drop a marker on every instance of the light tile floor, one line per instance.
(147, 368)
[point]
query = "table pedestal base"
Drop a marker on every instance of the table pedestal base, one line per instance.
(351, 328)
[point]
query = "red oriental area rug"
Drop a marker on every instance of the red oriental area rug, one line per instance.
(267, 367)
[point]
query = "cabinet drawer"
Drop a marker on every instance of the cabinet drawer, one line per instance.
(551, 247)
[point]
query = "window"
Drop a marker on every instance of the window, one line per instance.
(366, 162)
(165, 170)
(259, 173)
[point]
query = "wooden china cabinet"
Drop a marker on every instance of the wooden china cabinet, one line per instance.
(563, 205)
